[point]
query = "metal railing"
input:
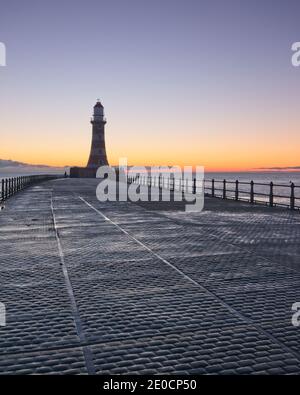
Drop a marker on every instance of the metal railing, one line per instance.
(10, 186)
(269, 194)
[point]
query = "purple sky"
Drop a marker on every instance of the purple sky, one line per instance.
(169, 73)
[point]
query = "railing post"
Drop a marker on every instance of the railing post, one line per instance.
(237, 190)
(194, 186)
(252, 192)
(224, 189)
(271, 196)
(292, 200)
(2, 190)
(213, 188)
(182, 187)
(159, 181)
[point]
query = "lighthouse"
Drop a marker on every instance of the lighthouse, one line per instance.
(97, 156)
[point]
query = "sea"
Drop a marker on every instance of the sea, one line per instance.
(282, 182)
(10, 173)
(7, 172)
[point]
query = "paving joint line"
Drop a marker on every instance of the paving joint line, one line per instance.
(78, 325)
(239, 247)
(111, 341)
(225, 304)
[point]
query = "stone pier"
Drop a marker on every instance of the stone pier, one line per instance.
(126, 288)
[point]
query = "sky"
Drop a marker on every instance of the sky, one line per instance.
(188, 82)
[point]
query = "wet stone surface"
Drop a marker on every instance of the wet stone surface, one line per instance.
(93, 287)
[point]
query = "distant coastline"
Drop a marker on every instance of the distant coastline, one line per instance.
(11, 168)
(8, 163)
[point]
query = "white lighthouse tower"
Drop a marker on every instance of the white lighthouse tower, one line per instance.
(98, 156)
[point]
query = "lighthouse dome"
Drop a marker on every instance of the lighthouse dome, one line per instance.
(98, 110)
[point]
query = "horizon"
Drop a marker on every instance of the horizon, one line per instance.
(211, 85)
(18, 165)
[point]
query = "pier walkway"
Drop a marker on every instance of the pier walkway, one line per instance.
(94, 287)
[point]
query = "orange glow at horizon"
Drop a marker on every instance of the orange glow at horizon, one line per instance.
(218, 145)
(213, 159)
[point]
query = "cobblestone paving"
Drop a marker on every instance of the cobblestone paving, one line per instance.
(94, 287)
